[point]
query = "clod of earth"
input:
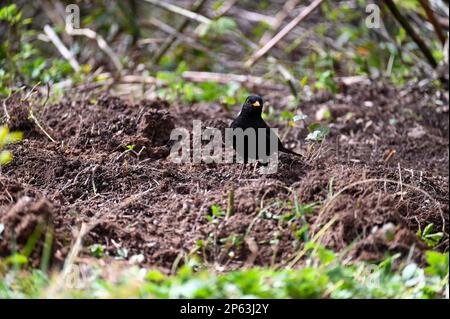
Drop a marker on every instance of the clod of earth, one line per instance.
(21, 220)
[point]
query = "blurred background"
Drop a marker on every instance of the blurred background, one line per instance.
(218, 50)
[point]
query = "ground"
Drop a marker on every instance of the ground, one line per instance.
(380, 176)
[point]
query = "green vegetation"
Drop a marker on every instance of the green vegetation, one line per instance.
(328, 277)
(179, 89)
(22, 61)
(429, 237)
(6, 138)
(345, 47)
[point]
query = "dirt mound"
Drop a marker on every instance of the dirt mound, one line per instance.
(384, 166)
(24, 222)
(156, 126)
(22, 219)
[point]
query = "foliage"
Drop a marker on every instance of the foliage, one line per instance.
(216, 214)
(26, 58)
(188, 92)
(22, 60)
(326, 277)
(97, 250)
(429, 237)
(6, 138)
(218, 27)
(317, 132)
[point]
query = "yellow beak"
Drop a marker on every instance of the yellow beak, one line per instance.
(256, 104)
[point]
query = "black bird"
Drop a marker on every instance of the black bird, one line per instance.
(250, 117)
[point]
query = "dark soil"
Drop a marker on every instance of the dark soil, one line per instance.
(141, 201)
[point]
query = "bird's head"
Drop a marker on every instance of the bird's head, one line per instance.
(254, 104)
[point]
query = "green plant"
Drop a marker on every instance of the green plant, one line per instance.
(216, 214)
(21, 59)
(437, 264)
(122, 253)
(97, 250)
(6, 138)
(327, 277)
(218, 27)
(317, 132)
(179, 89)
(429, 237)
(325, 81)
(297, 220)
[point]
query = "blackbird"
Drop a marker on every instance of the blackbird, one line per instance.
(250, 117)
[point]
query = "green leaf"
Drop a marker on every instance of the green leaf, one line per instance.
(7, 13)
(219, 26)
(428, 229)
(17, 259)
(4, 131)
(155, 276)
(435, 237)
(122, 253)
(14, 137)
(318, 132)
(97, 250)
(438, 263)
(5, 157)
(286, 115)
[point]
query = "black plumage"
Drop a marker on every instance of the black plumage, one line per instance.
(250, 117)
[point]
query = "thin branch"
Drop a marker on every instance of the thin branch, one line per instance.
(40, 126)
(51, 34)
(184, 38)
(433, 20)
(253, 16)
(173, 32)
(230, 204)
(226, 78)
(224, 8)
(290, 80)
(179, 10)
(137, 79)
(280, 35)
(279, 18)
(169, 42)
(410, 31)
(102, 44)
(5, 108)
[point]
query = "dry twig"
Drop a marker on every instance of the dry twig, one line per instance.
(102, 44)
(179, 10)
(279, 18)
(169, 42)
(280, 35)
(225, 78)
(433, 20)
(410, 31)
(51, 34)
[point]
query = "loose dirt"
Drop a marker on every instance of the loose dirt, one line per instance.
(109, 168)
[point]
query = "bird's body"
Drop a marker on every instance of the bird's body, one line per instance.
(250, 117)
